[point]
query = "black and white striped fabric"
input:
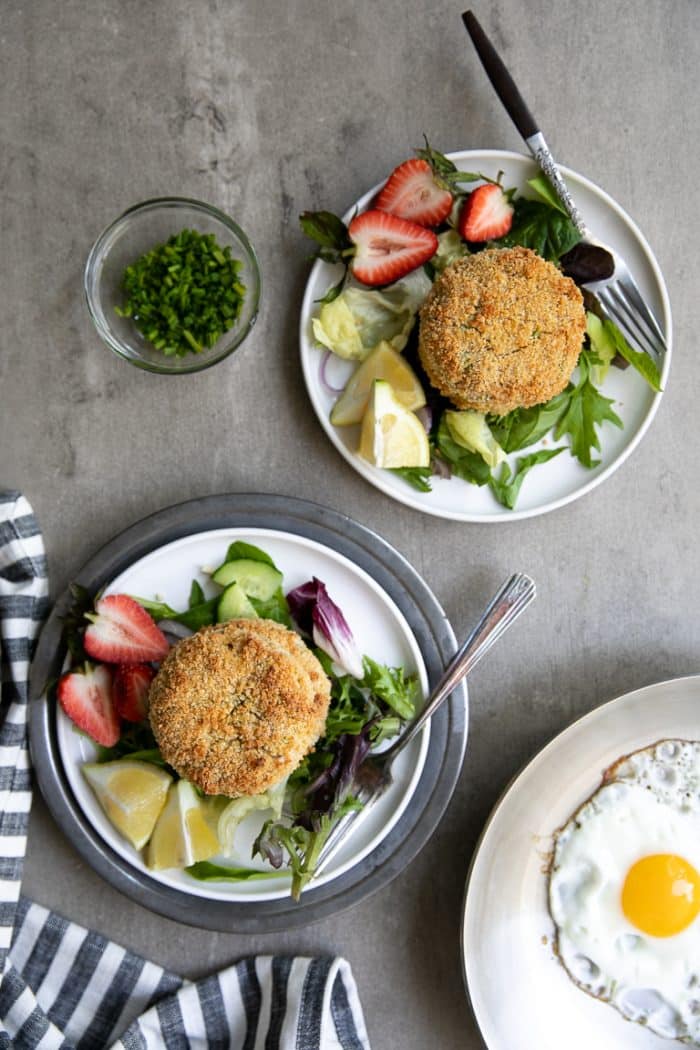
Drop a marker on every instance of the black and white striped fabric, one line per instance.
(68, 987)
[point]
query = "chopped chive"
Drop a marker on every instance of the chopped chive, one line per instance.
(185, 294)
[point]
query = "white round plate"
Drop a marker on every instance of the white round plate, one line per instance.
(381, 632)
(562, 479)
(519, 992)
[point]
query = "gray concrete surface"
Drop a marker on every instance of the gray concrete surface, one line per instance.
(265, 109)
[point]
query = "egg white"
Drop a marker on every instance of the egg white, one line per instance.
(649, 803)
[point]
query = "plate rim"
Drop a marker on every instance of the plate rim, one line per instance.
(509, 789)
(434, 636)
(410, 499)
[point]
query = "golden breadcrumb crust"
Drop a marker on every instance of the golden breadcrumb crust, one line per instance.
(501, 330)
(235, 707)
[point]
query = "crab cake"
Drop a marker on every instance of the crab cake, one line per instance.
(235, 707)
(500, 330)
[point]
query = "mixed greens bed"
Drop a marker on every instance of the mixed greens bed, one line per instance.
(358, 316)
(105, 693)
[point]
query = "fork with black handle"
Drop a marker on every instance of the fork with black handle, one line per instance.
(612, 283)
(373, 776)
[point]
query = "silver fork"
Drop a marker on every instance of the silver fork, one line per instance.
(373, 776)
(615, 287)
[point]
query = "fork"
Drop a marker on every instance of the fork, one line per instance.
(373, 776)
(614, 287)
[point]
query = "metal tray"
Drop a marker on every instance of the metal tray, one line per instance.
(433, 634)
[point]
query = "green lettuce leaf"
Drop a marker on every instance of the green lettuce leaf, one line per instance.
(525, 426)
(359, 319)
(611, 334)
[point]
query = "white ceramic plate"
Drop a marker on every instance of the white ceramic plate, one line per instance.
(520, 994)
(381, 632)
(563, 479)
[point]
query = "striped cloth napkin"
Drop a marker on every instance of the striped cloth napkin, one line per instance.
(68, 987)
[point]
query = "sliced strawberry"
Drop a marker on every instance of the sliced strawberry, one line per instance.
(87, 698)
(122, 632)
(487, 213)
(411, 192)
(387, 247)
(131, 685)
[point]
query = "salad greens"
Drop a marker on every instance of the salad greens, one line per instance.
(575, 415)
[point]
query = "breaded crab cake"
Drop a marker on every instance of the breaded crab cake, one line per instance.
(500, 330)
(235, 707)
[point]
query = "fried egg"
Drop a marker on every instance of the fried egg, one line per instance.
(624, 890)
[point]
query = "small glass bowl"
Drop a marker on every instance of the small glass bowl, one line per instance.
(137, 231)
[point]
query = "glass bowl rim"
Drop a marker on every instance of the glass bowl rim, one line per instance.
(97, 251)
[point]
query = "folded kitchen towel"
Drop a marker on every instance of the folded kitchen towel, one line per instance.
(65, 986)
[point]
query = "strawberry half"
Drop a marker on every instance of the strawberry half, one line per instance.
(122, 632)
(87, 698)
(411, 192)
(387, 248)
(487, 214)
(131, 685)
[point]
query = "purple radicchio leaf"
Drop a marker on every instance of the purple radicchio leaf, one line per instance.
(317, 615)
(334, 783)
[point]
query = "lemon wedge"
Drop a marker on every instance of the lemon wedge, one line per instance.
(391, 435)
(183, 833)
(383, 363)
(131, 793)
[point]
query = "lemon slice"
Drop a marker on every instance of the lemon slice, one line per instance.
(383, 363)
(183, 833)
(392, 436)
(131, 793)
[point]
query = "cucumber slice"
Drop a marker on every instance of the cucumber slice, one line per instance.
(234, 604)
(256, 578)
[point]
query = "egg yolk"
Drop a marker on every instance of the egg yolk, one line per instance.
(661, 894)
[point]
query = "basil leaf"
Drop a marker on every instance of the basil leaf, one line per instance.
(466, 465)
(326, 229)
(542, 228)
(587, 409)
(506, 488)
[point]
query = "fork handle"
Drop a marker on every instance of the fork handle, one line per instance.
(514, 596)
(502, 81)
(517, 109)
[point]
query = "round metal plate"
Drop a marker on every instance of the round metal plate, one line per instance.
(433, 634)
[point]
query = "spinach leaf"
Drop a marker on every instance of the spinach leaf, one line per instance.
(506, 488)
(587, 409)
(241, 549)
(525, 426)
(274, 608)
(197, 616)
(196, 595)
(205, 871)
(415, 476)
(539, 226)
(467, 465)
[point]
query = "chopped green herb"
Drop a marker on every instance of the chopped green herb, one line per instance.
(185, 294)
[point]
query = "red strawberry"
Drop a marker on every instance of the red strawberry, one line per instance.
(87, 698)
(411, 192)
(487, 213)
(131, 685)
(122, 632)
(387, 247)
